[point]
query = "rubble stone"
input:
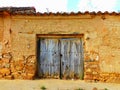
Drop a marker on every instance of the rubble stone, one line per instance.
(5, 71)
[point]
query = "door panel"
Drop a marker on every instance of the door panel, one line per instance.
(75, 57)
(49, 58)
(70, 58)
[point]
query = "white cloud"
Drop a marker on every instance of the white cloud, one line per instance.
(97, 5)
(40, 5)
(53, 5)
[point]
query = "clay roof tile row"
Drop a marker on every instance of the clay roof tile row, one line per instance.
(32, 11)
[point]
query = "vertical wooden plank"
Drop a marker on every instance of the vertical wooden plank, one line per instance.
(65, 58)
(54, 57)
(72, 59)
(44, 63)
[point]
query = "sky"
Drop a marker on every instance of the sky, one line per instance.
(65, 5)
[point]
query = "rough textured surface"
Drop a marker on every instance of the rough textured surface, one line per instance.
(22, 10)
(101, 38)
(60, 58)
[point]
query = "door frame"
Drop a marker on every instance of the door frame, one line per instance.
(57, 36)
(60, 36)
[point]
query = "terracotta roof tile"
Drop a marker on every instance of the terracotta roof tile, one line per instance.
(32, 11)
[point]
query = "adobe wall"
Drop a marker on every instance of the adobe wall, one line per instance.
(101, 43)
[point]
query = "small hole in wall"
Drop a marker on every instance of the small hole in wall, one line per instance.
(88, 38)
(103, 17)
(10, 31)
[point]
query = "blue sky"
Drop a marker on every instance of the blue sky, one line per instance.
(117, 7)
(73, 5)
(66, 5)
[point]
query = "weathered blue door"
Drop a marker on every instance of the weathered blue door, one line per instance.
(61, 58)
(71, 58)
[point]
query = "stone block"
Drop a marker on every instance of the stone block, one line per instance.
(94, 66)
(5, 71)
(8, 77)
(29, 76)
(13, 69)
(5, 60)
(5, 65)
(95, 73)
(1, 61)
(88, 73)
(7, 56)
(19, 67)
(88, 70)
(88, 77)
(17, 75)
(24, 75)
(30, 67)
(1, 76)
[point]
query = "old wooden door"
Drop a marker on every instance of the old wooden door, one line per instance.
(49, 64)
(61, 58)
(71, 58)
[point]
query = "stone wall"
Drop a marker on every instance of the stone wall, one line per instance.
(101, 43)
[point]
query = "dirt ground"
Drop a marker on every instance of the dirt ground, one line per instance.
(54, 84)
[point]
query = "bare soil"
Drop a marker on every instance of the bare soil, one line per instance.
(55, 84)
